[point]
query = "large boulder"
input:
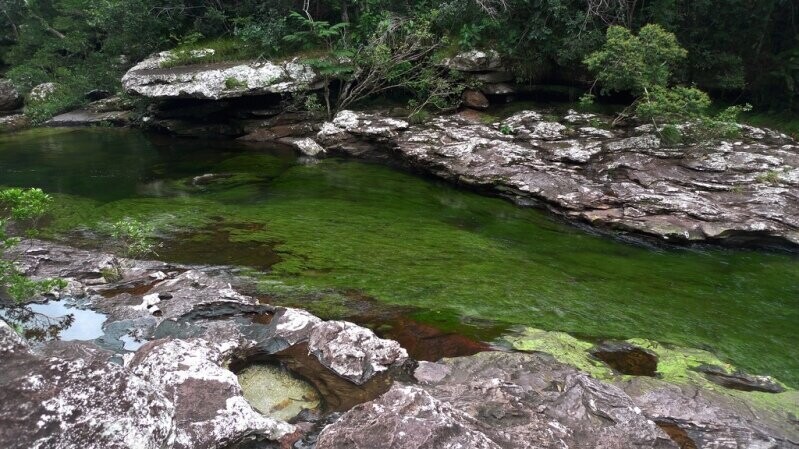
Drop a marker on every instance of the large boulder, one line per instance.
(9, 97)
(152, 78)
(498, 400)
(13, 122)
(628, 179)
(475, 61)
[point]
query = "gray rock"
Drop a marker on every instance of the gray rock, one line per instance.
(9, 97)
(217, 81)
(498, 400)
(86, 117)
(41, 92)
(703, 418)
(624, 179)
(475, 61)
(740, 381)
(210, 409)
(353, 352)
(57, 403)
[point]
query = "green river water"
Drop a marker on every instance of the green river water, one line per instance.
(459, 260)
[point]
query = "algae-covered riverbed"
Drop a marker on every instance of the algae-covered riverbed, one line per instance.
(460, 259)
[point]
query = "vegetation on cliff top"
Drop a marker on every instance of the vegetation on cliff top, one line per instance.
(736, 50)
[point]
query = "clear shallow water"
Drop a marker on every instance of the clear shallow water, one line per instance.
(461, 260)
(57, 320)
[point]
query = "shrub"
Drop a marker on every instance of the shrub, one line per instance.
(135, 236)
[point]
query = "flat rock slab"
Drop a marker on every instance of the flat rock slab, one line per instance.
(743, 191)
(150, 78)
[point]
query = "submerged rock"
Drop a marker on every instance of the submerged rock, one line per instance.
(151, 78)
(740, 381)
(627, 358)
(274, 392)
(741, 192)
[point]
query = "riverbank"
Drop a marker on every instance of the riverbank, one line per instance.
(178, 330)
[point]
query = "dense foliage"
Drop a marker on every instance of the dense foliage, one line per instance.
(734, 49)
(25, 207)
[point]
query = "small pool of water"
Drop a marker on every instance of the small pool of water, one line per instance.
(274, 392)
(461, 261)
(57, 320)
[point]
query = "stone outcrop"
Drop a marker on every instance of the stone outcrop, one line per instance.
(56, 403)
(106, 111)
(498, 400)
(154, 78)
(740, 191)
(176, 387)
(13, 122)
(9, 97)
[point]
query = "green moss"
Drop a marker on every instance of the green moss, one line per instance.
(676, 365)
(565, 348)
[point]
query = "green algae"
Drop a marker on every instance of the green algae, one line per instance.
(676, 365)
(274, 392)
(461, 259)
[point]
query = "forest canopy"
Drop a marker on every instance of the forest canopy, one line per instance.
(736, 50)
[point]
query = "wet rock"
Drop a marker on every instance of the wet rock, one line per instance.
(13, 122)
(208, 178)
(627, 358)
(624, 179)
(494, 400)
(9, 97)
(210, 409)
(740, 381)
(474, 99)
(217, 81)
(305, 145)
(57, 403)
(353, 352)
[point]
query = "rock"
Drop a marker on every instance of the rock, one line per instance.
(474, 99)
(209, 178)
(87, 117)
(14, 122)
(353, 352)
(42, 92)
(498, 400)
(210, 409)
(740, 381)
(404, 418)
(627, 358)
(56, 403)
(219, 80)
(305, 145)
(475, 61)
(701, 418)
(623, 179)
(9, 97)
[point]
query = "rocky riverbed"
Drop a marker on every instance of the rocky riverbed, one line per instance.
(163, 375)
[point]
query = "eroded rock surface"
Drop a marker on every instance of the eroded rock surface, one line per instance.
(738, 191)
(498, 400)
(48, 402)
(152, 79)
